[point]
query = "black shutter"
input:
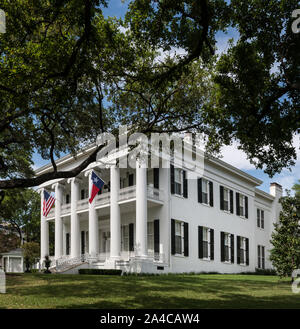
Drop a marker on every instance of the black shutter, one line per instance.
(199, 190)
(185, 185)
(246, 206)
(212, 244)
(82, 242)
(68, 244)
(231, 201)
(232, 247)
(172, 179)
(247, 251)
(262, 216)
(130, 180)
(222, 197)
(200, 242)
(172, 236)
(186, 239)
(238, 249)
(237, 203)
(222, 247)
(156, 177)
(211, 194)
(156, 235)
(131, 237)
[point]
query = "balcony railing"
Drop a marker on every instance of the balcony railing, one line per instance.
(126, 193)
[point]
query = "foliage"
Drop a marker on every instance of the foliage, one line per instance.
(31, 252)
(68, 73)
(296, 188)
(8, 241)
(285, 254)
(21, 211)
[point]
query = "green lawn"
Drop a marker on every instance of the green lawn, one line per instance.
(168, 291)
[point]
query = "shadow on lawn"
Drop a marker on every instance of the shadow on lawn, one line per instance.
(157, 292)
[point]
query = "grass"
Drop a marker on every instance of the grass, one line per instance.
(154, 292)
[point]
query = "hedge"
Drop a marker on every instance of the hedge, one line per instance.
(92, 271)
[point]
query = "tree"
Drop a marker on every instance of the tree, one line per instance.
(296, 188)
(62, 61)
(21, 211)
(8, 241)
(285, 254)
(31, 252)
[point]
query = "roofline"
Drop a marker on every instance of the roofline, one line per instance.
(65, 159)
(264, 194)
(69, 157)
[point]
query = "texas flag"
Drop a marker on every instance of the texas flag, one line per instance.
(97, 186)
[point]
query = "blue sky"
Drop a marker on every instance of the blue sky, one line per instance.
(230, 154)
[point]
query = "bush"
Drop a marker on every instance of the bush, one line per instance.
(91, 271)
(265, 272)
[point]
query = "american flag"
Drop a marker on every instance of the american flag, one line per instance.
(48, 203)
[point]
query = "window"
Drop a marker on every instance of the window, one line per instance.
(150, 236)
(67, 198)
(261, 257)
(179, 235)
(242, 205)
(227, 244)
(226, 199)
(178, 181)
(242, 250)
(260, 218)
(206, 243)
(125, 238)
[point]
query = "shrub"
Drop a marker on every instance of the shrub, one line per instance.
(92, 271)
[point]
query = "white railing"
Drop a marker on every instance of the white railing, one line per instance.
(126, 193)
(102, 199)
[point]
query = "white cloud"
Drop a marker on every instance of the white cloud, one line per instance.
(287, 178)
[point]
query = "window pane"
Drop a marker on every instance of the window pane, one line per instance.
(178, 245)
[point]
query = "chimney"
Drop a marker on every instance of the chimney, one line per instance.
(276, 190)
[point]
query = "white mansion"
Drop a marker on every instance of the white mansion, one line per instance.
(158, 221)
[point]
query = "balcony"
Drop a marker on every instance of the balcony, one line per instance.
(126, 194)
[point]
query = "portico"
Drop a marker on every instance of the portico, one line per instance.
(114, 227)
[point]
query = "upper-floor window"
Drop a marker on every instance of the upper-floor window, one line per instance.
(260, 218)
(241, 205)
(67, 198)
(205, 192)
(226, 199)
(178, 181)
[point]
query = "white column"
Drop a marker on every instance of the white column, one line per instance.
(58, 220)
(93, 223)
(75, 228)
(44, 231)
(115, 218)
(141, 210)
